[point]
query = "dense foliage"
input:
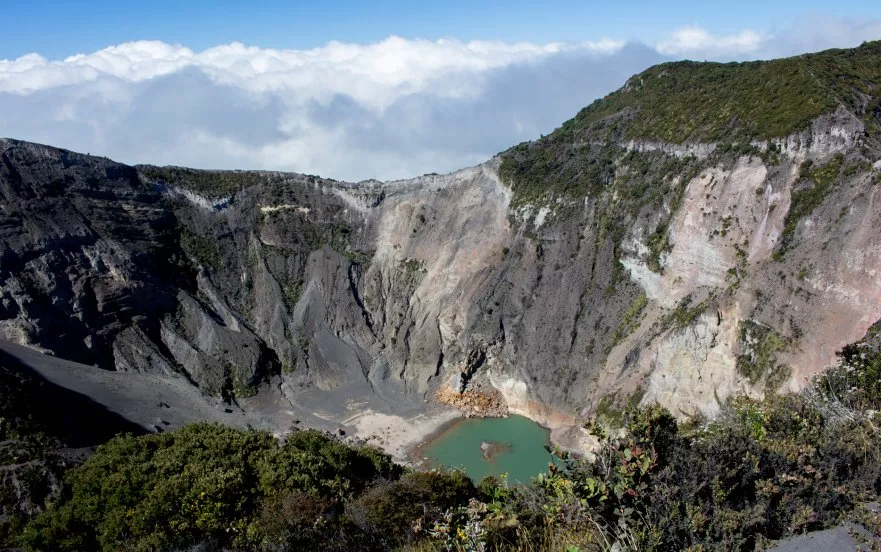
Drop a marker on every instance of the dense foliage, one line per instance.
(686, 100)
(815, 182)
(203, 483)
(758, 361)
(44, 431)
(855, 383)
(731, 104)
(761, 471)
(209, 183)
(28, 468)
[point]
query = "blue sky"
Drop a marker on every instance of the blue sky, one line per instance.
(58, 28)
(360, 89)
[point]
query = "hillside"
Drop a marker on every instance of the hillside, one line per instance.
(733, 105)
(716, 102)
(706, 231)
(804, 468)
(704, 239)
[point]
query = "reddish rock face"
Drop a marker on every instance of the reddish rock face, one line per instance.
(486, 402)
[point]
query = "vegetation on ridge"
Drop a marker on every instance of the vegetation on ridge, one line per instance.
(758, 360)
(701, 101)
(815, 183)
(686, 101)
(206, 483)
(208, 183)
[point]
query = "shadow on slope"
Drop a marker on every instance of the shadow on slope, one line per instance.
(29, 400)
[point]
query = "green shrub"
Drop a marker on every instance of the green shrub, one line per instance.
(211, 184)
(758, 362)
(202, 249)
(200, 483)
(684, 314)
(294, 519)
(762, 470)
(856, 380)
(396, 511)
(630, 319)
(810, 195)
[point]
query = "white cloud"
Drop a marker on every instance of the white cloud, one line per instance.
(391, 109)
(813, 33)
(374, 74)
(387, 110)
(691, 39)
(802, 34)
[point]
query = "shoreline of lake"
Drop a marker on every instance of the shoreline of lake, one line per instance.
(415, 452)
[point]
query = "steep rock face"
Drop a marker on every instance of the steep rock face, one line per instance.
(437, 241)
(736, 256)
(603, 264)
(93, 269)
(84, 245)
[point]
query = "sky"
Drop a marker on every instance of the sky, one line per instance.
(354, 89)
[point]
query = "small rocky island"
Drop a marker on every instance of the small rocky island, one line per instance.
(491, 448)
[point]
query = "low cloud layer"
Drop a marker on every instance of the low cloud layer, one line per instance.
(393, 109)
(695, 39)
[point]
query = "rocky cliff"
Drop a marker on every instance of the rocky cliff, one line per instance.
(708, 229)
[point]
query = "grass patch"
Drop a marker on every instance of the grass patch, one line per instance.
(817, 183)
(208, 183)
(612, 412)
(630, 319)
(658, 244)
(759, 360)
(685, 101)
(684, 314)
(292, 290)
(201, 249)
(413, 267)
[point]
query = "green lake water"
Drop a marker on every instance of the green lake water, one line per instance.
(522, 454)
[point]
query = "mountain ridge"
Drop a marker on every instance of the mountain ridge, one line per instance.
(594, 267)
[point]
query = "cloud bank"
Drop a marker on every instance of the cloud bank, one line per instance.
(392, 109)
(695, 39)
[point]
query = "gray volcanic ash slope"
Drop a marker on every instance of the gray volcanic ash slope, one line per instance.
(707, 230)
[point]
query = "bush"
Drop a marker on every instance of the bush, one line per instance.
(806, 198)
(202, 482)
(397, 511)
(856, 381)
(759, 359)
